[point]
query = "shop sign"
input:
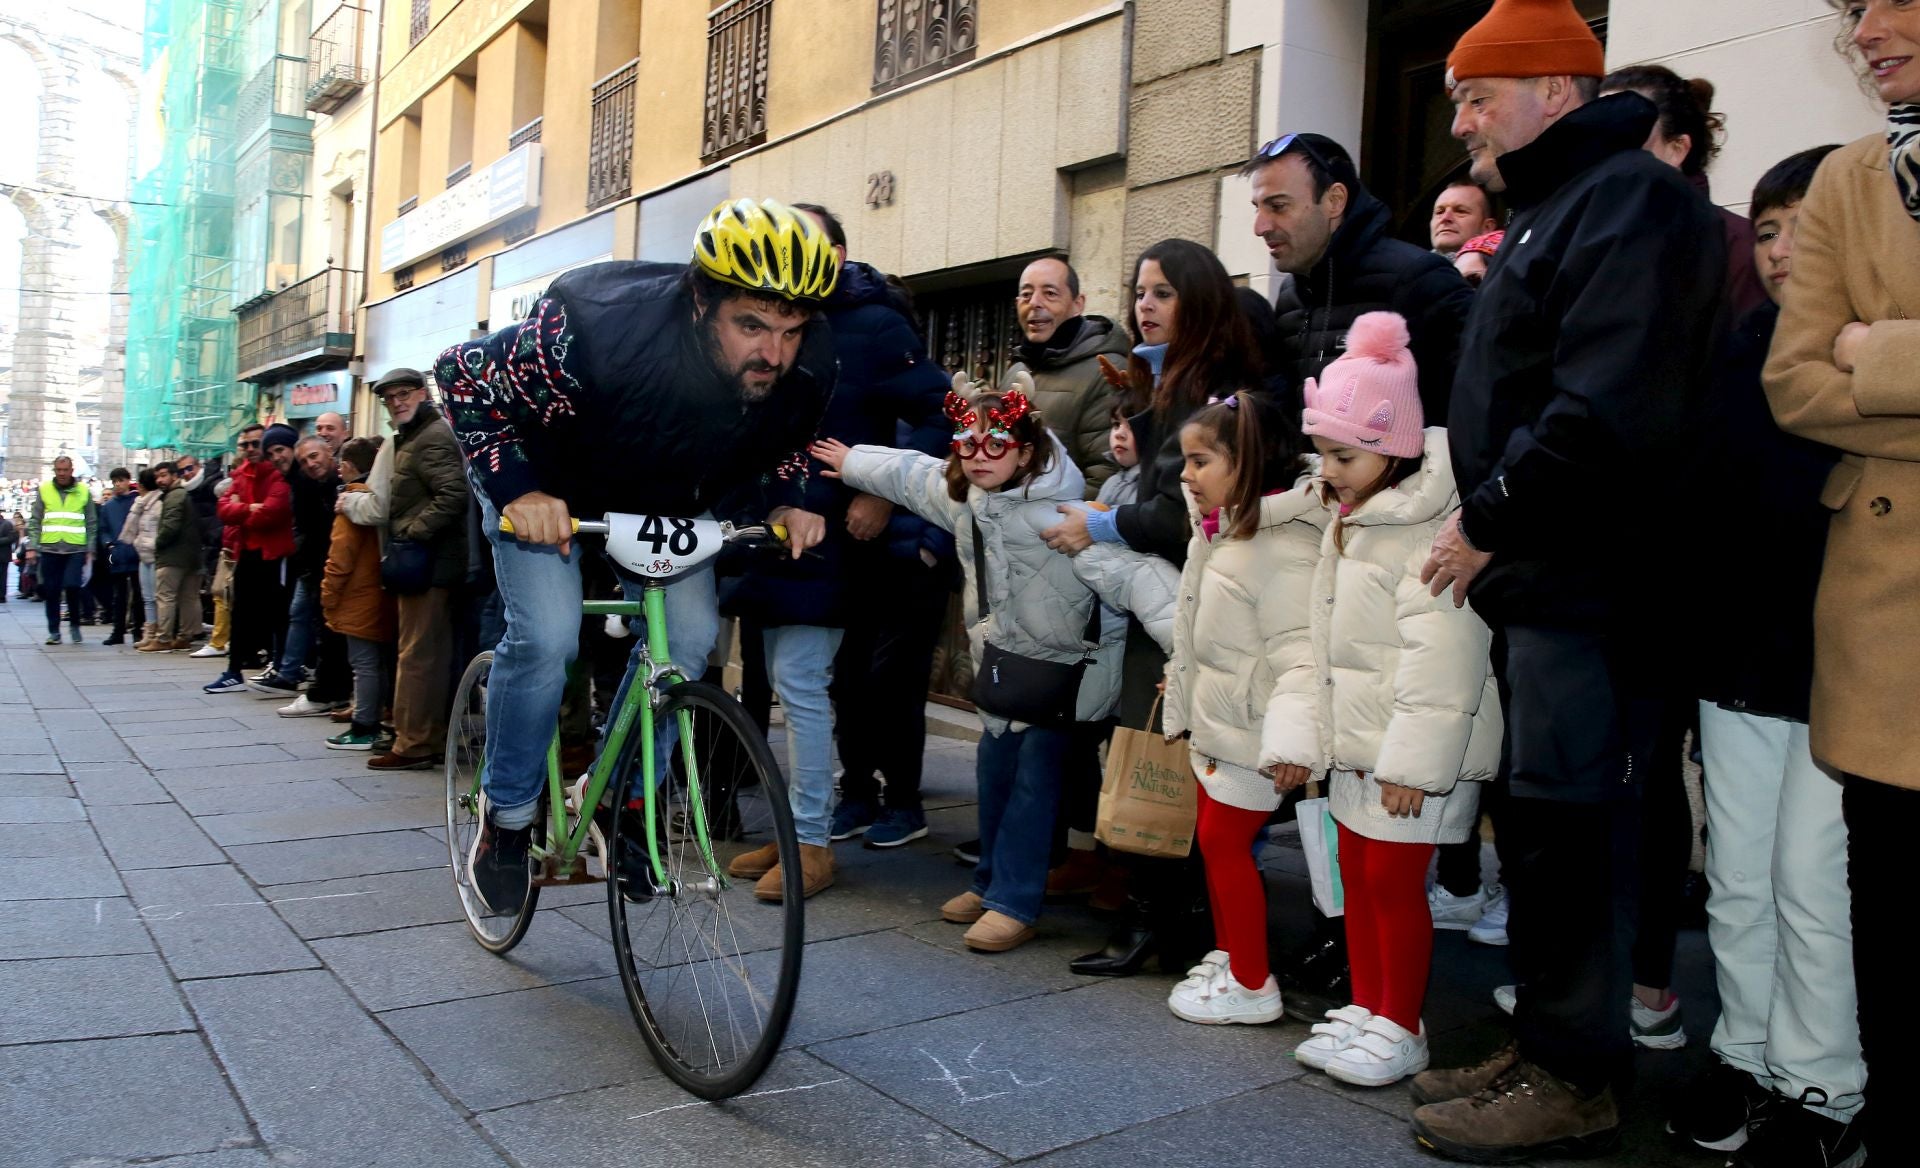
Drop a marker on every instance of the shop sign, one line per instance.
(515, 301)
(486, 198)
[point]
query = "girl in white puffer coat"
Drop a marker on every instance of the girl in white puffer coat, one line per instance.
(1408, 707)
(1241, 666)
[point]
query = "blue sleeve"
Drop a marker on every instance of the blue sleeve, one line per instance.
(1102, 526)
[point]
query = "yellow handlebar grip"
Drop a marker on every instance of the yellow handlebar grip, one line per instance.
(506, 525)
(779, 532)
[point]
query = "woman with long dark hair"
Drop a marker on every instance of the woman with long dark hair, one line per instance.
(1193, 346)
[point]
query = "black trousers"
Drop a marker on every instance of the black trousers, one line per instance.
(1666, 846)
(1880, 821)
(120, 588)
(262, 593)
(1581, 734)
(881, 675)
(1459, 867)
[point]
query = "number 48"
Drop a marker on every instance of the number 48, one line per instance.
(681, 542)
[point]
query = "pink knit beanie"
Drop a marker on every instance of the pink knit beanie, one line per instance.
(1369, 399)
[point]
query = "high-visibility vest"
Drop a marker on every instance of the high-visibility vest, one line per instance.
(65, 519)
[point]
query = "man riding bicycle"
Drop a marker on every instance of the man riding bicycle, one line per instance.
(664, 389)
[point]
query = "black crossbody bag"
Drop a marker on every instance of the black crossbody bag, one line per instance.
(1025, 689)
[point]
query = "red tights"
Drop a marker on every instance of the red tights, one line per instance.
(1389, 926)
(1233, 884)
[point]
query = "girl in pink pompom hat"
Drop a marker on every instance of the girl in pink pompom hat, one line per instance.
(1409, 715)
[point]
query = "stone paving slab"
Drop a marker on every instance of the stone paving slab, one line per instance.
(246, 798)
(119, 787)
(31, 809)
(120, 1100)
(365, 904)
(157, 835)
(335, 857)
(209, 922)
(81, 875)
(106, 926)
(442, 963)
(35, 787)
(87, 997)
(323, 1084)
(265, 826)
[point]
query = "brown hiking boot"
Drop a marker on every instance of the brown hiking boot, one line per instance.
(152, 646)
(179, 643)
(1460, 1082)
(1522, 1115)
(996, 932)
(964, 909)
(1077, 875)
(755, 864)
(816, 873)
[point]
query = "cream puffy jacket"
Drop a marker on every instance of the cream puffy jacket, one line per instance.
(1406, 688)
(1240, 679)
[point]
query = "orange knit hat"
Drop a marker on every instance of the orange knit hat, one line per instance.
(1528, 38)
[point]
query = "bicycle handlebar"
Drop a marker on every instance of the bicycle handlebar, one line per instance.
(599, 527)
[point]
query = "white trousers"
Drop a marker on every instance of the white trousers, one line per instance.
(1778, 911)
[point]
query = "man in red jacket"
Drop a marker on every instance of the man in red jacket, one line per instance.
(258, 512)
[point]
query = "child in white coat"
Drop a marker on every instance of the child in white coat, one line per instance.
(1241, 661)
(1028, 618)
(1408, 707)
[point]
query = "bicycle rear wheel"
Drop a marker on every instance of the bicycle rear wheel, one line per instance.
(466, 757)
(710, 972)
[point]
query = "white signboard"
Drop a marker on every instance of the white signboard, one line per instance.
(499, 192)
(515, 302)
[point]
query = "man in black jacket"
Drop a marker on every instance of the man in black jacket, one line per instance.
(1581, 377)
(1335, 239)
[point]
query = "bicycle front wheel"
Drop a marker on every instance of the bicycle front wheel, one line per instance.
(466, 757)
(710, 971)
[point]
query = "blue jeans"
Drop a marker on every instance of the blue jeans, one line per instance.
(800, 669)
(302, 615)
(150, 598)
(540, 592)
(1018, 773)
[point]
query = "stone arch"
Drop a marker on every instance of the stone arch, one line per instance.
(24, 166)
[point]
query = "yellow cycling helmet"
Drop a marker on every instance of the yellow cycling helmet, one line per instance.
(767, 246)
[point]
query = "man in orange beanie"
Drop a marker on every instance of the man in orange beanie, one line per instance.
(1581, 370)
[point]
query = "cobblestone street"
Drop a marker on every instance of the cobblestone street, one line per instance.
(223, 946)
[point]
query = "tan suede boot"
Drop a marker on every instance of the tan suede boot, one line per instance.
(964, 909)
(816, 873)
(996, 932)
(755, 864)
(1522, 1115)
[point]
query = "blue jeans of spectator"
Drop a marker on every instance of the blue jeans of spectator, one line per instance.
(60, 574)
(540, 592)
(1019, 773)
(150, 598)
(800, 668)
(369, 682)
(302, 617)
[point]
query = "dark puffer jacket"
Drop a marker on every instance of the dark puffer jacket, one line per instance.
(1582, 376)
(428, 500)
(1366, 270)
(312, 522)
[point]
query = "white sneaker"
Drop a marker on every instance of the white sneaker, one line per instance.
(1506, 997)
(1331, 1037)
(1656, 1029)
(1221, 999)
(208, 651)
(1383, 1052)
(1491, 928)
(1455, 913)
(305, 707)
(1212, 963)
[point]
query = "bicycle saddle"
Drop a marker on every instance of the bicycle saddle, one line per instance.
(658, 548)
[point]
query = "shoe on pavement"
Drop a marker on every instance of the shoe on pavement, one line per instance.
(1792, 1134)
(1463, 1082)
(1331, 1037)
(228, 682)
(1657, 1029)
(996, 932)
(1719, 1108)
(1455, 914)
(391, 761)
(345, 715)
(1383, 1052)
(180, 643)
(1213, 962)
(964, 909)
(894, 828)
(498, 866)
(853, 817)
(272, 685)
(53, 639)
(1491, 928)
(967, 853)
(1220, 999)
(1506, 997)
(305, 707)
(755, 864)
(1077, 875)
(115, 639)
(353, 738)
(73, 634)
(1525, 1114)
(208, 650)
(816, 874)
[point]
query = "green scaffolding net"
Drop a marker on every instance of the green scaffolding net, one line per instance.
(181, 390)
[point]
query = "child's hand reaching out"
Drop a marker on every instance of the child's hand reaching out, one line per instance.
(833, 453)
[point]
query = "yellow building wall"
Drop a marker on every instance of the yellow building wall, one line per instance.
(511, 90)
(670, 93)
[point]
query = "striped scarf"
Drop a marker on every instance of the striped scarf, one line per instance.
(1903, 142)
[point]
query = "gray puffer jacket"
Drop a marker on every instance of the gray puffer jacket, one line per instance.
(1036, 606)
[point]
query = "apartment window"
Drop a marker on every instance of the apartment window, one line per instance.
(917, 37)
(418, 21)
(610, 140)
(738, 38)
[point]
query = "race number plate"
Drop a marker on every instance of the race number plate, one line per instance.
(659, 548)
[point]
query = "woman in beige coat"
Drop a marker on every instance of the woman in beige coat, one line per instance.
(1845, 370)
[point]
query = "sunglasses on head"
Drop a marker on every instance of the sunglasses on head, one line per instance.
(1285, 142)
(995, 447)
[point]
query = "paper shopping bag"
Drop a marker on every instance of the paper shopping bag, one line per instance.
(1150, 795)
(1320, 840)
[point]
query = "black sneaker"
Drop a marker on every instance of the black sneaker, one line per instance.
(498, 863)
(1791, 1135)
(967, 853)
(1718, 1108)
(273, 685)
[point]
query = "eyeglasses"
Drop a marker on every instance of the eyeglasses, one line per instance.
(245, 445)
(1279, 146)
(967, 444)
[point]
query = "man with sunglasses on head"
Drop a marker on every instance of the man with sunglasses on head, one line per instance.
(1335, 239)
